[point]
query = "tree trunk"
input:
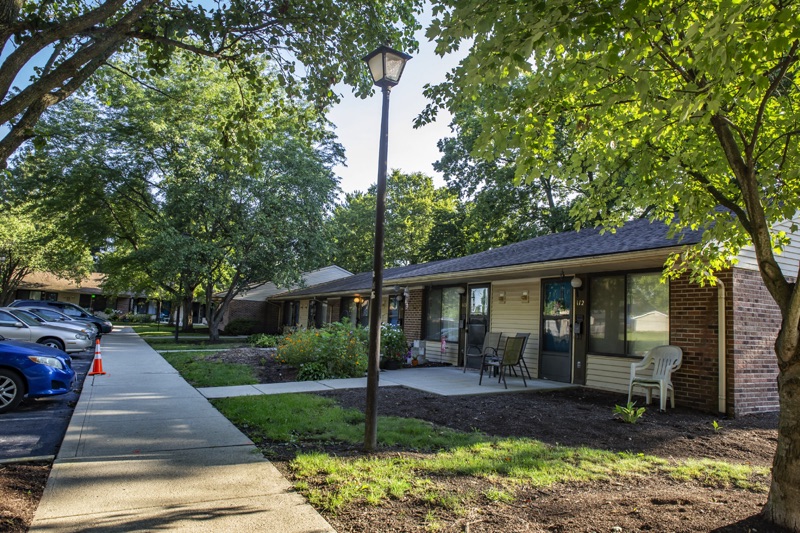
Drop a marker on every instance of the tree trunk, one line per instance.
(213, 325)
(783, 504)
(213, 329)
(188, 319)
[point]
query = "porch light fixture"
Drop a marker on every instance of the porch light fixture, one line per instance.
(501, 297)
(461, 290)
(524, 297)
(386, 66)
(576, 282)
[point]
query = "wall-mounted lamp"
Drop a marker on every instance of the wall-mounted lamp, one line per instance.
(358, 300)
(524, 297)
(461, 290)
(501, 297)
(576, 282)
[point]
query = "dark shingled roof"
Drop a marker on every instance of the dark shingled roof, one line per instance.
(634, 236)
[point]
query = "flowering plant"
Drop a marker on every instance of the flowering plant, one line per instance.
(394, 346)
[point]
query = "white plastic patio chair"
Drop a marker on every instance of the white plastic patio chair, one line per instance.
(665, 361)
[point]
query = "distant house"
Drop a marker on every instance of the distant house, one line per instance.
(652, 321)
(255, 304)
(88, 293)
(43, 286)
(593, 303)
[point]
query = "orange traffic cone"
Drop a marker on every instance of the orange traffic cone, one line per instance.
(97, 363)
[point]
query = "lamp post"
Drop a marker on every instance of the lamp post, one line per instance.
(386, 66)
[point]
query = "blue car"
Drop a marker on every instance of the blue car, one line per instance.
(33, 370)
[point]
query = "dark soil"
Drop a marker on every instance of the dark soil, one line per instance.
(575, 417)
(21, 487)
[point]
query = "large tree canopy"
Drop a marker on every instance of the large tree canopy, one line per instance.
(676, 109)
(162, 184)
(499, 209)
(413, 206)
(31, 243)
(54, 47)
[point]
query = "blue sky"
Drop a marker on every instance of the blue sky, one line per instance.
(358, 122)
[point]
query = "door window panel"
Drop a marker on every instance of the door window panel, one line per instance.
(444, 311)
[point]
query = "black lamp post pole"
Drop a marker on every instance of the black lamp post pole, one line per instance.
(376, 297)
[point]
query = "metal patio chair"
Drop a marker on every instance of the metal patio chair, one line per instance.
(491, 343)
(665, 361)
(512, 357)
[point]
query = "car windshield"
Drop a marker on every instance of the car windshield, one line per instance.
(76, 312)
(50, 314)
(27, 318)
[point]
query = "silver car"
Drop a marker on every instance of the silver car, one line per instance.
(48, 314)
(90, 332)
(24, 328)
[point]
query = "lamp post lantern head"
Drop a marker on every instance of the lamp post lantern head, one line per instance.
(386, 66)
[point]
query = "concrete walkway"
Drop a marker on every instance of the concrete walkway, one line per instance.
(145, 451)
(444, 381)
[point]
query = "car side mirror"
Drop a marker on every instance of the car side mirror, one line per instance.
(19, 325)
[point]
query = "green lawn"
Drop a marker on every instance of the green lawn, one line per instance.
(199, 372)
(332, 482)
(164, 330)
(159, 344)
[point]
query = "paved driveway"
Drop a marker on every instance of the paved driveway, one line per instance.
(37, 427)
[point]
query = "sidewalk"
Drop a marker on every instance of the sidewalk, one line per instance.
(145, 451)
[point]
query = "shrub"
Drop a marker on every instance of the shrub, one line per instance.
(141, 318)
(394, 346)
(262, 340)
(240, 326)
(335, 351)
(314, 371)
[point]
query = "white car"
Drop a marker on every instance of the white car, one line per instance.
(24, 328)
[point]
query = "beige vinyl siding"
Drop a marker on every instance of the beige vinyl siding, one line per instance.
(515, 316)
(611, 373)
(433, 352)
(788, 260)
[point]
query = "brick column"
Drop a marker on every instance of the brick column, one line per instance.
(693, 325)
(412, 322)
(757, 321)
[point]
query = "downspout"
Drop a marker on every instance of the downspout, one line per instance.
(721, 346)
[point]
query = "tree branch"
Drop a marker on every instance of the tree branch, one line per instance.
(41, 40)
(783, 67)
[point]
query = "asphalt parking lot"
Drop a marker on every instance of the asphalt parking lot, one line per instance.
(36, 428)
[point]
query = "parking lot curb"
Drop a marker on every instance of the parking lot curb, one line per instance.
(35, 459)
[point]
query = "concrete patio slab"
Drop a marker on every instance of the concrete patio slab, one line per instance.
(444, 381)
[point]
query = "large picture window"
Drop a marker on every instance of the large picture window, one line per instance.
(444, 310)
(629, 314)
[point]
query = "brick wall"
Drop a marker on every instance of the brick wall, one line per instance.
(756, 325)
(694, 327)
(412, 321)
(752, 324)
(251, 310)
